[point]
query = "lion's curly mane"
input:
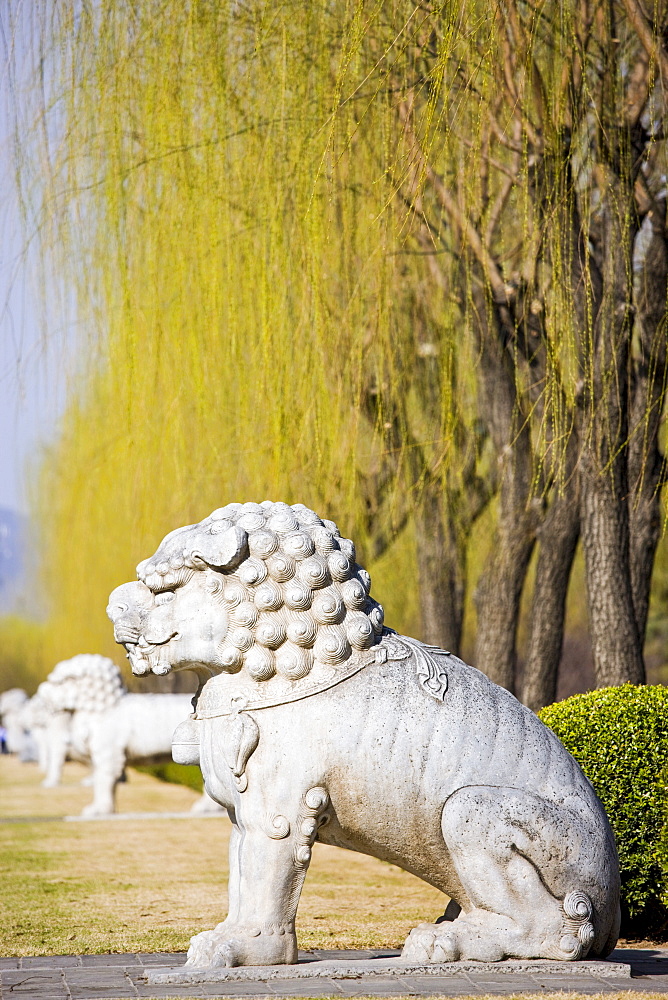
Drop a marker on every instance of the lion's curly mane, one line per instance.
(85, 683)
(296, 596)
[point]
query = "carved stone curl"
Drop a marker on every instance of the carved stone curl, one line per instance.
(312, 816)
(277, 827)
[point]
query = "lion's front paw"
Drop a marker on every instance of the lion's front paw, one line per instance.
(210, 949)
(431, 943)
(229, 946)
(92, 810)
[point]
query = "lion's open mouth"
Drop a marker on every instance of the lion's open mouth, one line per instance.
(150, 657)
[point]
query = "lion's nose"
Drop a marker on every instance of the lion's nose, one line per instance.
(128, 601)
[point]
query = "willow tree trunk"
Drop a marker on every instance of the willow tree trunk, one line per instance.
(645, 531)
(646, 461)
(558, 539)
(604, 504)
(605, 540)
(497, 600)
(441, 558)
(499, 589)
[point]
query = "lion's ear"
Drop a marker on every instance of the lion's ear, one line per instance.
(224, 551)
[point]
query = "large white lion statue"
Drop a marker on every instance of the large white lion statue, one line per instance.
(89, 715)
(315, 722)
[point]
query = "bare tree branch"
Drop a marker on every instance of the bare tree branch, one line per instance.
(649, 39)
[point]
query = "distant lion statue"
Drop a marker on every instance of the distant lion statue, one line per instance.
(87, 713)
(12, 703)
(314, 722)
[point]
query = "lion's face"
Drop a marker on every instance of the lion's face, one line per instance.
(182, 627)
(267, 588)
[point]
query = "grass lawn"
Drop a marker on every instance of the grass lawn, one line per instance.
(148, 885)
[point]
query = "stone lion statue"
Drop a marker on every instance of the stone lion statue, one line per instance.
(87, 713)
(12, 703)
(35, 717)
(315, 722)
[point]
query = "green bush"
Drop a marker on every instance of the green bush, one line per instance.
(619, 736)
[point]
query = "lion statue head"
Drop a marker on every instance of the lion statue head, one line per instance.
(85, 683)
(12, 701)
(267, 588)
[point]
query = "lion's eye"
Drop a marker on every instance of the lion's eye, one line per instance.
(165, 597)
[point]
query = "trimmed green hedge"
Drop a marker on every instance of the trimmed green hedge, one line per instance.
(619, 736)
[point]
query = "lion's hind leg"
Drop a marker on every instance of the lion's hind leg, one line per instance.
(510, 849)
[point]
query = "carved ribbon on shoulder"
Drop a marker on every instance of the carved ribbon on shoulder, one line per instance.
(431, 672)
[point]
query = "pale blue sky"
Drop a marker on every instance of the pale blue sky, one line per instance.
(32, 353)
(32, 372)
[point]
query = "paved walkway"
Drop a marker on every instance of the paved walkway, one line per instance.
(110, 977)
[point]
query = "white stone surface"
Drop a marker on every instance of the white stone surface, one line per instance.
(34, 717)
(314, 722)
(53, 734)
(11, 707)
(392, 967)
(206, 806)
(94, 719)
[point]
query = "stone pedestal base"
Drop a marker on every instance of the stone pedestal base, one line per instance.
(361, 968)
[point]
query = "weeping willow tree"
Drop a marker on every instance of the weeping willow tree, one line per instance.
(240, 282)
(391, 259)
(554, 191)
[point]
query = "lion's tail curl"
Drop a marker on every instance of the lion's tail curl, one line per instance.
(579, 929)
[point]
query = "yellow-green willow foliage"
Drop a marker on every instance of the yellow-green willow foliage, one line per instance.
(317, 245)
(22, 653)
(239, 275)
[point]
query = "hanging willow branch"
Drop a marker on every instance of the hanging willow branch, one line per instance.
(316, 245)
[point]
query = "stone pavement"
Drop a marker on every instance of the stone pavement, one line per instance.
(111, 977)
